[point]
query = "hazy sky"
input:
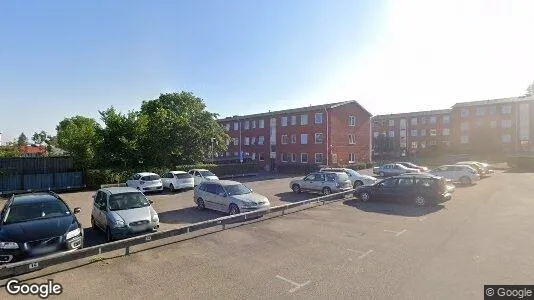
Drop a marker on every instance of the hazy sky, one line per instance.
(62, 58)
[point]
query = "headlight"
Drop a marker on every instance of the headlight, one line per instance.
(73, 233)
(119, 224)
(8, 245)
(155, 217)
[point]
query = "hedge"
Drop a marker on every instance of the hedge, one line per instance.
(95, 178)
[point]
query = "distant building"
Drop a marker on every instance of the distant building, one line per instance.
(33, 150)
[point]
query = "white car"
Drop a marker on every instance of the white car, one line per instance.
(177, 180)
(145, 182)
(356, 178)
(201, 175)
(457, 173)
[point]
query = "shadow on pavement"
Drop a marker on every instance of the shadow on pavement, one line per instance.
(519, 171)
(188, 215)
(293, 197)
(389, 208)
(92, 237)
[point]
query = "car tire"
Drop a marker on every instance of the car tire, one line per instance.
(382, 174)
(296, 188)
(200, 204)
(465, 180)
(109, 236)
(364, 196)
(420, 201)
(327, 191)
(93, 224)
(171, 188)
(233, 209)
(357, 183)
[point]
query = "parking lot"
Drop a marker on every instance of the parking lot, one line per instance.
(343, 250)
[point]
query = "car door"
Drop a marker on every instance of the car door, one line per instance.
(98, 206)
(385, 189)
(319, 182)
(221, 198)
(166, 180)
(404, 190)
(307, 182)
(209, 196)
(134, 181)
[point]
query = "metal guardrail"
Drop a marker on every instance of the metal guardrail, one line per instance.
(22, 267)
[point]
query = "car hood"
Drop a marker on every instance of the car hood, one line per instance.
(252, 197)
(38, 229)
(131, 215)
(367, 177)
(212, 177)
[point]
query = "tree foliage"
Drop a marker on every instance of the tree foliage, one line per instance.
(41, 137)
(10, 151)
(530, 90)
(22, 140)
(79, 136)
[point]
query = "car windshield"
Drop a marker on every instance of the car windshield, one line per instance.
(127, 201)
(150, 177)
(342, 176)
(35, 211)
(237, 189)
(206, 173)
(410, 165)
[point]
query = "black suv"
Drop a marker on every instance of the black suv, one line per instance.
(416, 188)
(37, 224)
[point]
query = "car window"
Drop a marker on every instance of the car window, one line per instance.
(342, 176)
(397, 167)
(136, 177)
(197, 174)
(237, 189)
(126, 201)
(206, 173)
(211, 188)
(182, 176)
(319, 177)
(202, 187)
(426, 182)
(219, 189)
(389, 182)
(310, 177)
(405, 181)
(330, 177)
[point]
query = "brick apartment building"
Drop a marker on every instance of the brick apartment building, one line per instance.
(497, 125)
(336, 133)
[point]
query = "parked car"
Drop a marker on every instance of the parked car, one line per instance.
(457, 173)
(323, 182)
(413, 166)
(37, 224)
(483, 171)
(393, 170)
(145, 182)
(201, 175)
(122, 211)
(487, 167)
(177, 180)
(355, 178)
(228, 196)
(419, 189)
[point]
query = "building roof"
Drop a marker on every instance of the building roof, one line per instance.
(297, 110)
(33, 149)
(415, 114)
(486, 102)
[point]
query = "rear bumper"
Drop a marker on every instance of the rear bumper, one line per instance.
(131, 230)
(156, 188)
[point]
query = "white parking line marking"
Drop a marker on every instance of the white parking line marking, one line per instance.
(422, 219)
(397, 233)
(297, 285)
(362, 254)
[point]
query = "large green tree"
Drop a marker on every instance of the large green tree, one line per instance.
(10, 151)
(79, 136)
(179, 130)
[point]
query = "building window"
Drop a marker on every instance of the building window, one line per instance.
(253, 124)
(414, 132)
(285, 157)
(480, 111)
(446, 131)
(446, 119)
(414, 145)
(433, 143)
(506, 123)
(375, 134)
(391, 133)
(261, 157)
(283, 121)
(464, 113)
(352, 139)
(253, 155)
(506, 138)
(304, 139)
(293, 139)
(294, 157)
(293, 120)
(227, 126)
(423, 132)
(318, 118)
(247, 141)
(247, 125)
(414, 121)
(253, 142)
(464, 139)
(304, 157)
(236, 126)
(261, 123)
(391, 123)
(433, 132)
(319, 158)
(236, 141)
(493, 124)
(303, 119)
(423, 144)
(423, 120)
(506, 109)
(492, 110)
(285, 139)
(319, 138)
(352, 158)
(464, 126)
(352, 120)
(261, 140)
(433, 120)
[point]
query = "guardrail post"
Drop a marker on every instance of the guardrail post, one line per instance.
(127, 250)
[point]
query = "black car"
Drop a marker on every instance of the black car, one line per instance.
(416, 188)
(37, 224)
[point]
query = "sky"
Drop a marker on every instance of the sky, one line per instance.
(64, 58)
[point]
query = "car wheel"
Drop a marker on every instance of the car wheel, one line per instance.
(364, 196)
(382, 174)
(171, 187)
(233, 209)
(200, 204)
(109, 236)
(296, 188)
(327, 191)
(420, 201)
(465, 180)
(358, 183)
(93, 224)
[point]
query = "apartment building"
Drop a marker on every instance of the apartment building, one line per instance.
(336, 133)
(408, 133)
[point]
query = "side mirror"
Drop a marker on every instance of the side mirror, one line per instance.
(150, 201)
(93, 196)
(77, 210)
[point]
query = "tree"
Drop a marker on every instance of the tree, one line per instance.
(10, 151)
(179, 130)
(22, 140)
(41, 137)
(79, 137)
(530, 90)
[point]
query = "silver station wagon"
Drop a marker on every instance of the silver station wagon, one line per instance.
(323, 182)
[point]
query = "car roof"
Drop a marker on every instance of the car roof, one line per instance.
(222, 182)
(146, 173)
(178, 172)
(119, 190)
(426, 175)
(34, 197)
(198, 170)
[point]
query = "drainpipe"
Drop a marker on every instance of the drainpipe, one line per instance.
(327, 134)
(370, 139)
